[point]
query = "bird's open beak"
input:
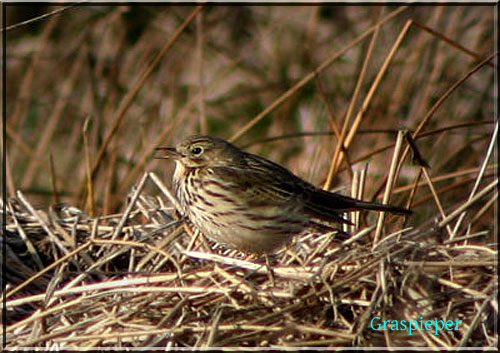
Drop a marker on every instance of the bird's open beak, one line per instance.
(170, 153)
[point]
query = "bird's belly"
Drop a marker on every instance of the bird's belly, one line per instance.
(256, 229)
(250, 224)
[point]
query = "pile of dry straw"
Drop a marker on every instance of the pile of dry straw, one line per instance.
(143, 278)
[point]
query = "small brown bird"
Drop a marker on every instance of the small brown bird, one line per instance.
(248, 202)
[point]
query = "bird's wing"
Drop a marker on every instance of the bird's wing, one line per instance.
(255, 187)
(259, 181)
(317, 203)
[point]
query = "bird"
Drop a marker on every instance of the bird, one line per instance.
(248, 202)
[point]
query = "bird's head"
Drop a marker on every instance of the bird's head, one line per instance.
(202, 151)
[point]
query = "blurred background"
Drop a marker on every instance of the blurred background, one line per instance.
(76, 106)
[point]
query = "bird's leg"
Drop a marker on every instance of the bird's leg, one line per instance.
(270, 271)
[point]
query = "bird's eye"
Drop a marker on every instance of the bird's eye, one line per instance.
(197, 150)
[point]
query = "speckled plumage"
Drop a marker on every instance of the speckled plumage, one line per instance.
(248, 202)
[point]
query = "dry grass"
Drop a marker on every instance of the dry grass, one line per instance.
(92, 90)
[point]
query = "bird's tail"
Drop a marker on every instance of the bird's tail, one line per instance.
(328, 205)
(363, 205)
